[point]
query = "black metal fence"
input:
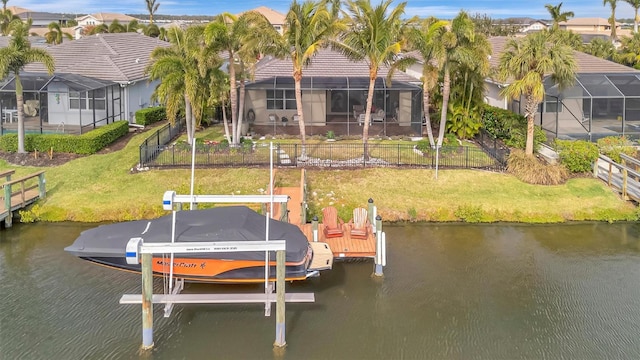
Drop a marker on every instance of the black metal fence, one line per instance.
(152, 146)
(323, 155)
(494, 147)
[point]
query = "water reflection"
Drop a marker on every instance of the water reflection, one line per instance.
(450, 291)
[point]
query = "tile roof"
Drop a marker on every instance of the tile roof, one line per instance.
(274, 17)
(108, 17)
(587, 64)
(326, 63)
(16, 10)
(116, 57)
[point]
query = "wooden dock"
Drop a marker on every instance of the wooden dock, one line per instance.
(20, 193)
(342, 247)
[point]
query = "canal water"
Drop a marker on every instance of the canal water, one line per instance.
(450, 291)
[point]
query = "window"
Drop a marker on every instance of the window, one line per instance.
(281, 100)
(87, 100)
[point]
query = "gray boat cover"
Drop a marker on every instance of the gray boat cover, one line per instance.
(228, 223)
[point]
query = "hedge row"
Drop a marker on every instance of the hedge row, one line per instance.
(85, 144)
(150, 115)
(510, 127)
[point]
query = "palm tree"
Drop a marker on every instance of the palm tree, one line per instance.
(55, 35)
(635, 4)
(375, 36)
(4, 5)
(557, 15)
(14, 58)
(629, 53)
(6, 17)
(527, 62)
(228, 33)
(466, 52)
(308, 27)
(152, 7)
(612, 19)
(116, 27)
(601, 48)
(185, 69)
(425, 40)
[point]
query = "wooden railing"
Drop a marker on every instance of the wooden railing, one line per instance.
(22, 195)
(625, 177)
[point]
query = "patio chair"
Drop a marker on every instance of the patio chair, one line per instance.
(333, 225)
(378, 116)
(359, 225)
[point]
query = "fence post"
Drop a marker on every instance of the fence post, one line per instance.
(7, 205)
(466, 157)
(398, 154)
(42, 186)
(295, 153)
(314, 227)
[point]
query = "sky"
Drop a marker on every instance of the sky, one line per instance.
(442, 9)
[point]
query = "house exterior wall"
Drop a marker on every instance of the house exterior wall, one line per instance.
(138, 96)
(89, 21)
(59, 111)
(583, 28)
(415, 70)
(313, 105)
(492, 96)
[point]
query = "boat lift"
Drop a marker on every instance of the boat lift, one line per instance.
(139, 252)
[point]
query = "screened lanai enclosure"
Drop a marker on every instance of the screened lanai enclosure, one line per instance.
(596, 106)
(334, 103)
(60, 103)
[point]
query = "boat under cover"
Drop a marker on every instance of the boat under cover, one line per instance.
(106, 245)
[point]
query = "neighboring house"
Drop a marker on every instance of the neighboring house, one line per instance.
(104, 78)
(104, 18)
(42, 31)
(587, 25)
(275, 18)
(334, 91)
(605, 99)
(534, 26)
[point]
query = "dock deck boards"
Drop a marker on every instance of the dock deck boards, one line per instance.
(345, 246)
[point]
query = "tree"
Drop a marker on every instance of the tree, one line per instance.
(308, 27)
(426, 40)
(6, 17)
(374, 35)
(116, 27)
(152, 8)
(557, 15)
(601, 48)
(14, 58)
(635, 4)
(527, 61)
(629, 53)
(4, 5)
(185, 70)
(55, 35)
(466, 52)
(612, 19)
(228, 33)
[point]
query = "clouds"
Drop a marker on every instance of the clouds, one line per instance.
(493, 8)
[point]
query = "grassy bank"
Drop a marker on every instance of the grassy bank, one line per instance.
(103, 188)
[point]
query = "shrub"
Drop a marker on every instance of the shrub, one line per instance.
(423, 145)
(150, 115)
(613, 146)
(510, 127)
(577, 156)
(85, 144)
(449, 144)
(530, 170)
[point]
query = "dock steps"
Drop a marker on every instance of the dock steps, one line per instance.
(322, 256)
(217, 298)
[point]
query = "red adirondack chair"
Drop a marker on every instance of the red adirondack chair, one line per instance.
(333, 225)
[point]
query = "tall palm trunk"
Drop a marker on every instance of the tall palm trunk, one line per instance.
(188, 117)
(530, 108)
(427, 118)
(635, 20)
(233, 97)
(373, 74)
(297, 76)
(236, 140)
(20, 105)
(446, 90)
(224, 121)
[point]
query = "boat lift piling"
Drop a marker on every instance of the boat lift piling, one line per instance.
(381, 248)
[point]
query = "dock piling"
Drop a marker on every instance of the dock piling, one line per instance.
(314, 228)
(147, 301)
(280, 300)
(380, 260)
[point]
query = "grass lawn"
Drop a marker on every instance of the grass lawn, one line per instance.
(103, 188)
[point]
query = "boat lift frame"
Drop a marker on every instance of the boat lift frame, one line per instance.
(137, 252)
